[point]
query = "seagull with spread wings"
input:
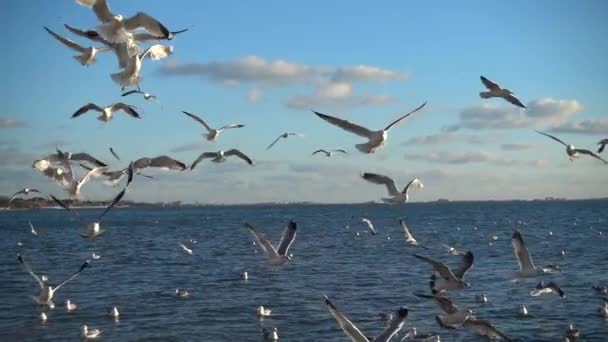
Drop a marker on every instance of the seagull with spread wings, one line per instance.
(376, 139)
(24, 191)
(396, 196)
(448, 279)
(329, 153)
(221, 156)
(527, 268)
(213, 133)
(162, 162)
(453, 315)
(278, 256)
(106, 112)
(283, 136)
(485, 328)
(573, 152)
(547, 288)
(87, 54)
(369, 224)
(409, 238)
(496, 91)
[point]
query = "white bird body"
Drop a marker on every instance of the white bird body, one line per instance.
(369, 224)
(69, 306)
(263, 311)
(523, 310)
(114, 313)
(95, 256)
(271, 335)
(93, 230)
(276, 256)
(87, 333)
(496, 91)
(572, 151)
(221, 156)
(408, 235)
(185, 249)
(43, 317)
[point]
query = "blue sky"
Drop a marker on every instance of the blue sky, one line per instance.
(266, 64)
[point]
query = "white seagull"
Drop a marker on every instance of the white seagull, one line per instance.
(130, 74)
(523, 310)
(43, 317)
(602, 144)
(114, 313)
(328, 153)
(69, 306)
(95, 256)
(147, 96)
(449, 280)
(496, 91)
(408, 235)
(547, 288)
(376, 139)
(527, 268)
(47, 291)
(106, 112)
(159, 51)
(213, 133)
(24, 191)
(356, 335)
(87, 54)
(87, 333)
(263, 311)
(396, 196)
(369, 224)
(32, 230)
(185, 249)
(277, 256)
(453, 315)
(572, 151)
(183, 293)
(270, 334)
(220, 157)
(283, 136)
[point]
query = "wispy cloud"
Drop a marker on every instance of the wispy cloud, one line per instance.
(197, 146)
(447, 138)
(515, 147)
(594, 126)
(336, 95)
(11, 123)
(450, 157)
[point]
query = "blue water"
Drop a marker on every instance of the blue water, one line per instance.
(142, 265)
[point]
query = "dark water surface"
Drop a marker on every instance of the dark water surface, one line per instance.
(142, 265)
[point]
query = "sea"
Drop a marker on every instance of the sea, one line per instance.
(334, 254)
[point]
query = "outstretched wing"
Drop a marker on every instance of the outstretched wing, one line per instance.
(383, 180)
(406, 229)
(346, 125)
(263, 242)
(235, 152)
(125, 108)
(168, 163)
(552, 137)
(589, 153)
(404, 116)
(88, 158)
(29, 270)
(203, 156)
(198, 119)
(274, 142)
(394, 326)
(65, 41)
(440, 267)
(521, 252)
(135, 91)
(467, 263)
(415, 182)
(114, 202)
(114, 154)
(289, 235)
(489, 84)
(231, 126)
(345, 324)
(86, 108)
(148, 22)
(319, 151)
(514, 100)
(85, 265)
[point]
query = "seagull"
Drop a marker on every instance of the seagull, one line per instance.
(270, 334)
(376, 139)
(221, 156)
(106, 112)
(24, 191)
(523, 310)
(159, 51)
(572, 151)
(69, 306)
(527, 268)
(63, 157)
(87, 55)
(213, 133)
(396, 196)
(572, 334)
(603, 310)
(356, 335)
(372, 230)
(263, 312)
(408, 235)
(130, 74)
(244, 275)
(413, 334)
(163, 162)
(32, 230)
(57, 174)
(484, 328)
(482, 298)
(602, 144)
(113, 312)
(496, 91)
(87, 333)
(448, 279)
(183, 293)
(453, 315)
(328, 153)
(282, 136)
(453, 250)
(114, 177)
(147, 96)
(279, 255)
(95, 256)
(185, 249)
(550, 287)
(47, 291)
(43, 317)
(114, 154)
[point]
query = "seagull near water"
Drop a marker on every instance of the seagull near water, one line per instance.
(572, 151)
(69, 306)
(449, 280)
(32, 230)
(496, 91)
(329, 153)
(24, 191)
(283, 136)
(485, 328)
(376, 139)
(409, 238)
(87, 54)
(547, 288)
(395, 325)
(213, 133)
(220, 157)
(278, 256)
(87, 333)
(396, 196)
(106, 112)
(527, 268)
(263, 311)
(453, 315)
(369, 224)
(47, 291)
(186, 249)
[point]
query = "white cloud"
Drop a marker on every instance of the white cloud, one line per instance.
(447, 138)
(364, 73)
(11, 123)
(515, 147)
(336, 95)
(450, 157)
(593, 126)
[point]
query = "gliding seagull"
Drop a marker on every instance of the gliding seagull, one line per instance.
(572, 151)
(87, 55)
(24, 191)
(162, 162)
(527, 268)
(496, 91)
(328, 153)
(220, 157)
(550, 287)
(453, 315)
(484, 328)
(213, 133)
(376, 139)
(279, 255)
(448, 279)
(369, 224)
(282, 136)
(408, 235)
(106, 112)
(396, 196)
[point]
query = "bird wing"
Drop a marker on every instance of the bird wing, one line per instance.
(289, 235)
(381, 179)
(370, 225)
(321, 150)
(553, 286)
(274, 142)
(125, 108)
(142, 163)
(88, 158)
(590, 153)
(521, 252)
(199, 119)
(86, 108)
(135, 91)
(394, 326)
(203, 156)
(341, 151)
(552, 137)
(346, 125)
(230, 126)
(102, 11)
(90, 34)
(489, 84)
(415, 182)
(85, 265)
(345, 324)
(159, 51)
(29, 270)
(485, 328)
(404, 116)
(167, 162)
(446, 304)
(263, 242)
(145, 37)
(514, 100)
(22, 191)
(406, 230)
(65, 41)
(467, 263)
(440, 267)
(114, 154)
(114, 202)
(147, 22)
(122, 54)
(235, 152)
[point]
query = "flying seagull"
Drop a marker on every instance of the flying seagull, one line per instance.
(547, 288)
(449, 280)
(106, 112)
(162, 162)
(114, 177)
(64, 175)
(279, 255)
(376, 139)
(213, 133)
(527, 268)
(114, 154)
(496, 91)
(282, 136)
(32, 229)
(602, 144)
(62, 157)
(396, 196)
(356, 335)
(147, 96)
(453, 316)
(47, 291)
(87, 55)
(24, 191)
(185, 249)
(130, 74)
(328, 153)
(369, 224)
(572, 151)
(220, 157)
(485, 328)
(409, 238)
